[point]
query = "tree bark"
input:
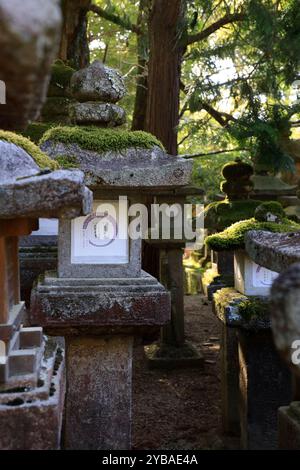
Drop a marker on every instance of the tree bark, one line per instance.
(164, 71)
(140, 103)
(74, 47)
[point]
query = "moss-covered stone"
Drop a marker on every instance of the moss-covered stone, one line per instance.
(253, 308)
(221, 214)
(270, 211)
(40, 158)
(67, 161)
(101, 140)
(236, 309)
(56, 109)
(238, 184)
(36, 130)
(237, 169)
(232, 238)
(60, 79)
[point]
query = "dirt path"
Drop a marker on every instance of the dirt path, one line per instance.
(180, 409)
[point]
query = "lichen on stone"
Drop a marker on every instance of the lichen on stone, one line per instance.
(232, 238)
(99, 139)
(40, 158)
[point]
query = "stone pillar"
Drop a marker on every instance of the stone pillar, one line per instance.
(171, 276)
(285, 297)
(230, 381)
(265, 385)
(98, 402)
(254, 380)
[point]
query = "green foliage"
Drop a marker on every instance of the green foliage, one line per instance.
(232, 238)
(263, 129)
(101, 140)
(220, 215)
(269, 207)
(41, 159)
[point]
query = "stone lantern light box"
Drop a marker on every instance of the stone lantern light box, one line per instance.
(251, 278)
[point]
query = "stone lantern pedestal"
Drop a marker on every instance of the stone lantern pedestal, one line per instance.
(99, 319)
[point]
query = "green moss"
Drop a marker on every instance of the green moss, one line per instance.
(271, 207)
(253, 308)
(247, 308)
(67, 161)
(36, 130)
(40, 158)
(233, 237)
(60, 78)
(101, 140)
(220, 215)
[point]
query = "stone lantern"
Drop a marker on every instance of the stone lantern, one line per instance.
(32, 381)
(100, 298)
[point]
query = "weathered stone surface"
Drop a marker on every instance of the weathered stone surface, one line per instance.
(37, 254)
(289, 426)
(251, 373)
(285, 308)
(98, 408)
(25, 191)
(226, 307)
(15, 162)
(29, 38)
(91, 303)
(102, 114)
(58, 194)
(265, 385)
(31, 419)
(98, 83)
(275, 251)
(132, 168)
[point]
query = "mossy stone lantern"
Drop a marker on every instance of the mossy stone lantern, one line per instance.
(32, 381)
(100, 298)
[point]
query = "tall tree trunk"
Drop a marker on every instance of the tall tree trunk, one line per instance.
(164, 71)
(74, 43)
(140, 104)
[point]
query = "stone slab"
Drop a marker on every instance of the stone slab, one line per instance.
(84, 303)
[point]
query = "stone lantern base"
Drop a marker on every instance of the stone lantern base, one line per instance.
(99, 319)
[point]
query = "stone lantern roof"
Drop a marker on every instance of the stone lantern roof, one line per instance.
(142, 165)
(27, 190)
